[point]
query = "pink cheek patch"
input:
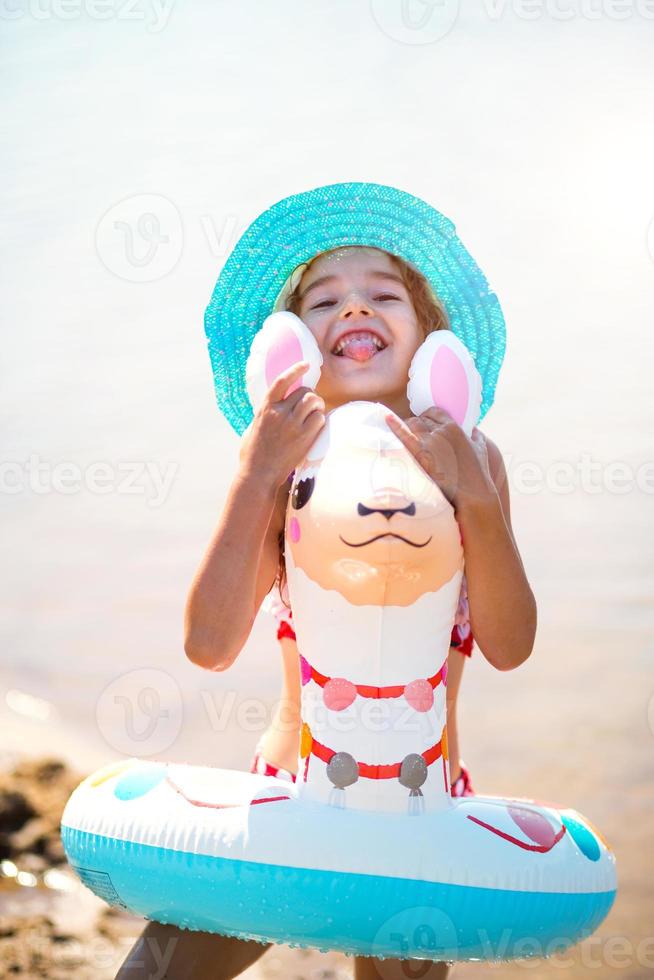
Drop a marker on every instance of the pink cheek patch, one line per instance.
(449, 384)
(294, 528)
(284, 353)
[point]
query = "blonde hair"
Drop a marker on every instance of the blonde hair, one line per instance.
(430, 314)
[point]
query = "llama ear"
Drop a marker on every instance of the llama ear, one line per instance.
(282, 341)
(443, 375)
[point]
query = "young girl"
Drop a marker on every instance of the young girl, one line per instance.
(368, 309)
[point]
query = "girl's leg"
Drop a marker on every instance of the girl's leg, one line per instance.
(367, 968)
(280, 744)
(455, 662)
(178, 954)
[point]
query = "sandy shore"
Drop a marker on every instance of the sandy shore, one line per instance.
(549, 734)
(55, 928)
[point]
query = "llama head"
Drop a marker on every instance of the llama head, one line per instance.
(364, 518)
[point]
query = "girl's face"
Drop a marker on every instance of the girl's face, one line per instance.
(360, 312)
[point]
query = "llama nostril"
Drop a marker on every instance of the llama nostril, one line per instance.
(388, 512)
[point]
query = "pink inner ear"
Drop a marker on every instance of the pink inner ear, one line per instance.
(449, 384)
(284, 353)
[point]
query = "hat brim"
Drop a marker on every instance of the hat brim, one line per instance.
(299, 227)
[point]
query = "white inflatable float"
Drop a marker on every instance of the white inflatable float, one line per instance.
(367, 853)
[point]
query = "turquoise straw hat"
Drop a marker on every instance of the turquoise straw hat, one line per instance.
(293, 231)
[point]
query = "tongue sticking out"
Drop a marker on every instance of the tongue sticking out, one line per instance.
(360, 349)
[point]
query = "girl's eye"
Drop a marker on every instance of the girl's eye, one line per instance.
(331, 302)
(302, 493)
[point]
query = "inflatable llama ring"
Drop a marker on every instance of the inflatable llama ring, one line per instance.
(367, 853)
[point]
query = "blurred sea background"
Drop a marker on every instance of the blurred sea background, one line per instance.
(137, 148)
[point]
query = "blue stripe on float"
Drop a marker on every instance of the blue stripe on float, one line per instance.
(363, 914)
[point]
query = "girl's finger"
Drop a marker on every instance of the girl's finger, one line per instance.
(307, 403)
(436, 415)
(314, 421)
(480, 447)
(401, 429)
(280, 385)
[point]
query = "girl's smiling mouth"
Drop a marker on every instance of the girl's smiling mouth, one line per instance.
(359, 345)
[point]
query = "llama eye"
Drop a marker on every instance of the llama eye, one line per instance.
(302, 492)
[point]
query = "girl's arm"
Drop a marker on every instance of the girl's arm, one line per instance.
(502, 605)
(471, 474)
(237, 571)
(240, 564)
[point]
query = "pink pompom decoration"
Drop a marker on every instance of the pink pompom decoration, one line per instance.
(339, 693)
(420, 695)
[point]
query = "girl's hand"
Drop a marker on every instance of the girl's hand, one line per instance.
(284, 428)
(458, 464)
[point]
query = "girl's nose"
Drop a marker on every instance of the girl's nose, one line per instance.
(355, 305)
